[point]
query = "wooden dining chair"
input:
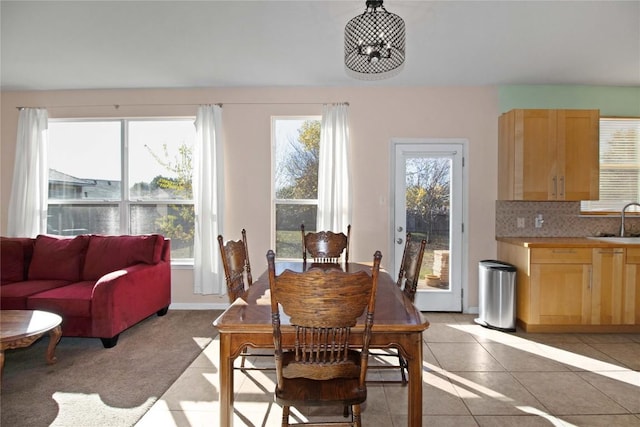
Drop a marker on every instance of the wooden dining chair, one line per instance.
(237, 268)
(322, 365)
(325, 246)
(237, 274)
(408, 277)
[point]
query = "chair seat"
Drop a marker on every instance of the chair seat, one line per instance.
(345, 391)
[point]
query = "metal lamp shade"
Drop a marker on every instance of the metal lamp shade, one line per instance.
(374, 43)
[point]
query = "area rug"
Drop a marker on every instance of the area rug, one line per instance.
(93, 386)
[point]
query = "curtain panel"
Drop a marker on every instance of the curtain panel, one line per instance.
(27, 216)
(208, 193)
(334, 180)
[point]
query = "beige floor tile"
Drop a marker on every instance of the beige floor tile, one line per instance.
(627, 354)
(439, 397)
(580, 356)
(513, 359)
(196, 389)
(606, 338)
(518, 420)
(464, 357)
(602, 420)
(567, 393)
(621, 387)
(493, 393)
(438, 421)
(446, 333)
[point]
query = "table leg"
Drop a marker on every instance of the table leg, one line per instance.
(54, 337)
(415, 383)
(226, 382)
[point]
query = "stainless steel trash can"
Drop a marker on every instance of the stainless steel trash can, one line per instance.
(497, 295)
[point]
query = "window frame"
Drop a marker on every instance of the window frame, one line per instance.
(125, 203)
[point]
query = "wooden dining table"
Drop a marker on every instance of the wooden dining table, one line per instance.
(247, 322)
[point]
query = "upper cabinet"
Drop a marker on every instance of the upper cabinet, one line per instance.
(549, 155)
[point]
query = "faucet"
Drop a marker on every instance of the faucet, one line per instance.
(622, 216)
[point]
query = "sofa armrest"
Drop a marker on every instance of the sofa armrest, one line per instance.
(122, 298)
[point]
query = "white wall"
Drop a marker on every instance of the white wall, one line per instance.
(376, 116)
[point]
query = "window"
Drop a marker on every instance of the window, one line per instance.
(619, 165)
(123, 177)
(295, 143)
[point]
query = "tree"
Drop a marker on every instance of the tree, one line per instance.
(179, 222)
(300, 169)
(427, 197)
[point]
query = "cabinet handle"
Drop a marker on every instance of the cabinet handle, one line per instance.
(563, 251)
(555, 186)
(590, 277)
(562, 187)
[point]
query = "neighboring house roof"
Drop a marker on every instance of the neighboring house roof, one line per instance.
(63, 178)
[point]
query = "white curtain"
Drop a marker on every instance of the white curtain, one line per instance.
(208, 194)
(334, 183)
(27, 216)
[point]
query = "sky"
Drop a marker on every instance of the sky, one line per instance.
(91, 150)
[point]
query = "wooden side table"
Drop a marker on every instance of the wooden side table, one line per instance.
(21, 328)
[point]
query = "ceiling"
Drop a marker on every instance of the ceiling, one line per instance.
(52, 45)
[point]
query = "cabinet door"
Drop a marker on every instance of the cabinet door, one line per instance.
(535, 154)
(578, 156)
(562, 292)
(607, 307)
(631, 293)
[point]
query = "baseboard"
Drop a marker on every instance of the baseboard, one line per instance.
(198, 306)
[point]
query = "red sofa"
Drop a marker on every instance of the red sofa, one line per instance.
(100, 285)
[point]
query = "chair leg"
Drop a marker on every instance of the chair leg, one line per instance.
(242, 358)
(285, 416)
(404, 367)
(345, 411)
(357, 419)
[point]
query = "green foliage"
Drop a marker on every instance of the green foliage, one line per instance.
(178, 224)
(300, 168)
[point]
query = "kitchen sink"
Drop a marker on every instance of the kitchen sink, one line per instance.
(618, 239)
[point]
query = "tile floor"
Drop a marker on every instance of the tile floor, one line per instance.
(472, 376)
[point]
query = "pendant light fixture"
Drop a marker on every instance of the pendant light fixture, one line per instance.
(374, 43)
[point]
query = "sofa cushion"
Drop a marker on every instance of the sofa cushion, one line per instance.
(57, 257)
(70, 300)
(110, 253)
(26, 244)
(14, 295)
(11, 261)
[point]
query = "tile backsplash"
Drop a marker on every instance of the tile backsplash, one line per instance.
(559, 219)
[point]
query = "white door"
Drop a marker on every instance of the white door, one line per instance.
(428, 203)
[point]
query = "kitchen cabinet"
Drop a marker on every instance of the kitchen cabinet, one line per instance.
(580, 287)
(607, 290)
(631, 293)
(560, 286)
(549, 155)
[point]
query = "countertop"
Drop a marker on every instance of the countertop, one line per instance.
(569, 242)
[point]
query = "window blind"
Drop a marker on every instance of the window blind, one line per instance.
(619, 165)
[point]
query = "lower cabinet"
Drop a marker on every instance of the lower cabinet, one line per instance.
(580, 289)
(631, 293)
(561, 281)
(607, 296)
